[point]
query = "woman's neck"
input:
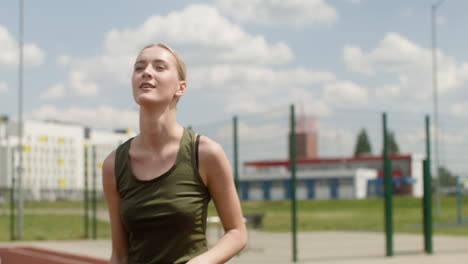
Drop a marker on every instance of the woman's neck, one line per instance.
(158, 128)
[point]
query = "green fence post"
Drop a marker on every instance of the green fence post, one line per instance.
(293, 162)
(427, 198)
(236, 153)
(427, 211)
(388, 189)
(94, 193)
(12, 198)
(12, 209)
(459, 201)
(86, 200)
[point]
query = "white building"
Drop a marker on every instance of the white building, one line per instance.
(340, 178)
(54, 158)
(99, 145)
(325, 184)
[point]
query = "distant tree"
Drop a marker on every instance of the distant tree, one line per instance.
(446, 177)
(363, 146)
(392, 144)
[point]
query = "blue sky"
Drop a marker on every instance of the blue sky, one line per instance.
(243, 57)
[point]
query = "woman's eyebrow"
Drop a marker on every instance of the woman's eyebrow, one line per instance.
(155, 60)
(159, 60)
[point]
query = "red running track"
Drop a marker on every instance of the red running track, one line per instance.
(30, 255)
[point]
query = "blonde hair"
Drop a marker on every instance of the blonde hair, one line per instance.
(181, 70)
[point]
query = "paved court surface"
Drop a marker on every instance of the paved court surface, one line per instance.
(314, 247)
(33, 255)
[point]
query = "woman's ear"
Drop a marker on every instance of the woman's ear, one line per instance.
(181, 89)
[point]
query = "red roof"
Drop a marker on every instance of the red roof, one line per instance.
(285, 163)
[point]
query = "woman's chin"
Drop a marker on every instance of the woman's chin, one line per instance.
(146, 101)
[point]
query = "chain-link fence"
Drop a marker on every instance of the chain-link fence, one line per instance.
(60, 181)
(339, 187)
(339, 179)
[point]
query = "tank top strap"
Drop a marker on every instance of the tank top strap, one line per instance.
(193, 142)
(190, 144)
(120, 163)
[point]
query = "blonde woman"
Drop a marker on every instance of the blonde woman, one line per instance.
(158, 184)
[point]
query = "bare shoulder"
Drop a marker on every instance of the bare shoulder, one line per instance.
(213, 163)
(108, 168)
(209, 150)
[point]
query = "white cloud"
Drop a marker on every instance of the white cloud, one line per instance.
(308, 101)
(408, 12)
(411, 63)
(207, 40)
(453, 139)
(441, 20)
(257, 80)
(56, 91)
(221, 57)
(343, 92)
(63, 60)
(335, 141)
(244, 103)
(81, 84)
(33, 55)
(263, 131)
(99, 117)
(276, 12)
(460, 109)
(394, 53)
(9, 53)
(256, 137)
(202, 38)
(413, 140)
(106, 69)
(388, 91)
(3, 87)
(253, 89)
(356, 61)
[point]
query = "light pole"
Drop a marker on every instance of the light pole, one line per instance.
(20, 124)
(435, 103)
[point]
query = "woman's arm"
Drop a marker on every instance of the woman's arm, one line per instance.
(119, 235)
(216, 172)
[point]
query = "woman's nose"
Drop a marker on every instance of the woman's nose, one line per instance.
(147, 72)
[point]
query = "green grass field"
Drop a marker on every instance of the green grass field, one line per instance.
(357, 215)
(314, 215)
(52, 227)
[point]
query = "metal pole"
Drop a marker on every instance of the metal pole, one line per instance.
(388, 190)
(94, 193)
(20, 122)
(427, 198)
(86, 200)
(435, 103)
(236, 154)
(12, 197)
(293, 163)
(459, 201)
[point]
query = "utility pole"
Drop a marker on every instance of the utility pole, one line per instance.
(435, 103)
(20, 125)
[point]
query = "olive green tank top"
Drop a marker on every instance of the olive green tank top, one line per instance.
(165, 217)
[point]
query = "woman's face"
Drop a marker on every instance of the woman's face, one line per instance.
(155, 78)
